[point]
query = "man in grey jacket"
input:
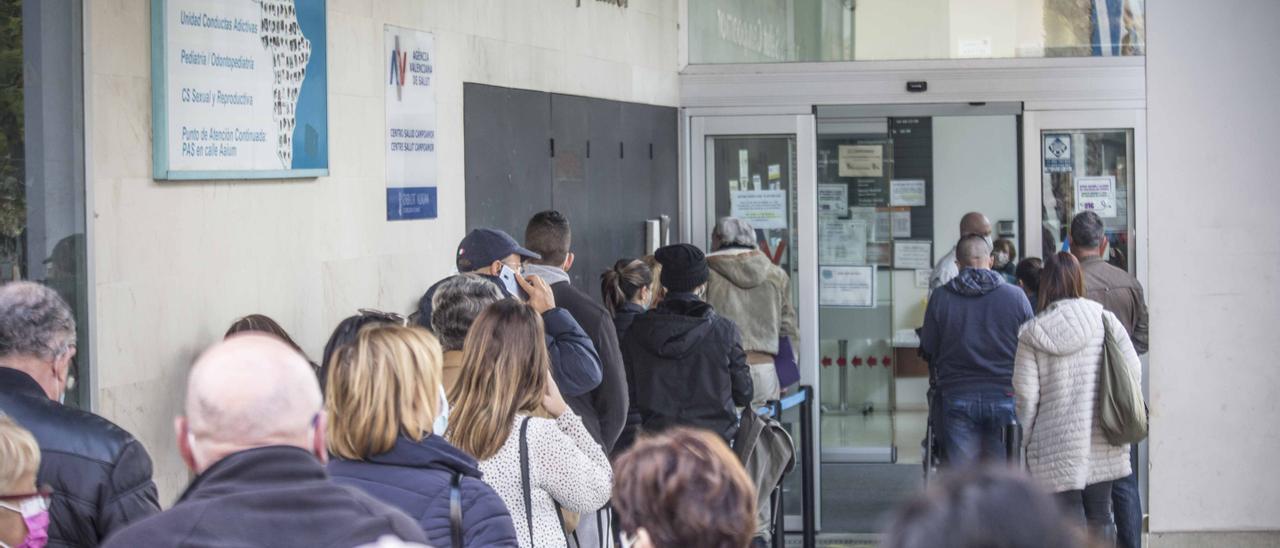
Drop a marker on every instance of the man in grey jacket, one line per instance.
(1121, 294)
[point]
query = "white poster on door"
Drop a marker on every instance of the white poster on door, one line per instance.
(912, 255)
(842, 241)
(907, 192)
(861, 160)
(764, 209)
(1057, 153)
(833, 200)
(847, 286)
(1096, 194)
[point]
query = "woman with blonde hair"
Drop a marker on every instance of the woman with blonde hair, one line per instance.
(536, 465)
(24, 510)
(386, 410)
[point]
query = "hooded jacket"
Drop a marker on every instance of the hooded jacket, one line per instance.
(415, 477)
(688, 367)
(269, 496)
(1056, 385)
(749, 289)
(970, 332)
(100, 474)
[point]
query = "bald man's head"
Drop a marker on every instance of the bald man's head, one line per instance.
(974, 223)
(251, 390)
(973, 251)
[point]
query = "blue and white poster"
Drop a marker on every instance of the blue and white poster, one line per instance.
(239, 89)
(1057, 153)
(411, 123)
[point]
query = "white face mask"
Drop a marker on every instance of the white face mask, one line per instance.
(442, 415)
(1001, 259)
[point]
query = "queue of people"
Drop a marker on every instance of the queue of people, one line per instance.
(1033, 355)
(512, 410)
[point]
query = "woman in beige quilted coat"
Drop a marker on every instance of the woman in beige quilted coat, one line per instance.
(1055, 379)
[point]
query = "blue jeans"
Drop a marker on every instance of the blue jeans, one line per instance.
(1092, 507)
(973, 426)
(1128, 506)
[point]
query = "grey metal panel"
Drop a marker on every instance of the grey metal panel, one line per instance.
(508, 160)
(600, 174)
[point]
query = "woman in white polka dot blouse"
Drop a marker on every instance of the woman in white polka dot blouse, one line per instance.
(506, 381)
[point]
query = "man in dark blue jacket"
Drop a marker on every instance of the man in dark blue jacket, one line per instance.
(970, 337)
(493, 254)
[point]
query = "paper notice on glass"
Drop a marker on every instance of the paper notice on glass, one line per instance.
(1057, 153)
(1096, 194)
(912, 255)
(775, 172)
(861, 160)
(907, 192)
(866, 215)
(922, 278)
(833, 200)
(879, 254)
(847, 286)
(901, 224)
(884, 226)
(842, 241)
(764, 209)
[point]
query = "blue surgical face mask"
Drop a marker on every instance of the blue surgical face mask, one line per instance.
(442, 415)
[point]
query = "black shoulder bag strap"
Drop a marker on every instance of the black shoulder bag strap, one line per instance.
(455, 509)
(524, 477)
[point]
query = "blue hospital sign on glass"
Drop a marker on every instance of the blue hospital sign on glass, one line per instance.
(239, 89)
(1057, 153)
(410, 138)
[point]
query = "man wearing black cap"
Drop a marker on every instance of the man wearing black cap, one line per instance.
(685, 362)
(495, 255)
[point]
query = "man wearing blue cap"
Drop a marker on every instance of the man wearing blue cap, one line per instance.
(493, 254)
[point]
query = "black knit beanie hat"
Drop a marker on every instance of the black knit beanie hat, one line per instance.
(684, 267)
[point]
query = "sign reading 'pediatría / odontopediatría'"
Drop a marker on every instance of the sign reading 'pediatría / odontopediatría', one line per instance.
(239, 89)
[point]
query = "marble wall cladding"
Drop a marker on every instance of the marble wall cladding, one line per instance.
(176, 262)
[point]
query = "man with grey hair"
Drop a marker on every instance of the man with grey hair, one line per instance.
(745, 286)
(100, 475)
(254, 435)
(970, 337)
(457, 302)
(972, 224)
(1121, 294)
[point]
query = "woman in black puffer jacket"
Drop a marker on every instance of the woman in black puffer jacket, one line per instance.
(685, 362)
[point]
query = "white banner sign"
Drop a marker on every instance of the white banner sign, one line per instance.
(411, 124)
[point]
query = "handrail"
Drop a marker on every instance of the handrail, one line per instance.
(803, 398)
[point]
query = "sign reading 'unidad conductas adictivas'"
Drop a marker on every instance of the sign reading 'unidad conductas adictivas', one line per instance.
(239, 89)
(409, 84)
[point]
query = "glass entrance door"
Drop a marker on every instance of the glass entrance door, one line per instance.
(761, 169)
(1088, 160)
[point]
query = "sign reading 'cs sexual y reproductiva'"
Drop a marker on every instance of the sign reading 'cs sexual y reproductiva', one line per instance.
(240, 89)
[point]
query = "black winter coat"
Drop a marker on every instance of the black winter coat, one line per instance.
(687, 367)
(100, 475)
(269, 496)
(603, 410)
(415, 477)
(623, 317)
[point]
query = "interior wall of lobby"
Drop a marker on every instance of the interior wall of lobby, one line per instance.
(173, 263)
